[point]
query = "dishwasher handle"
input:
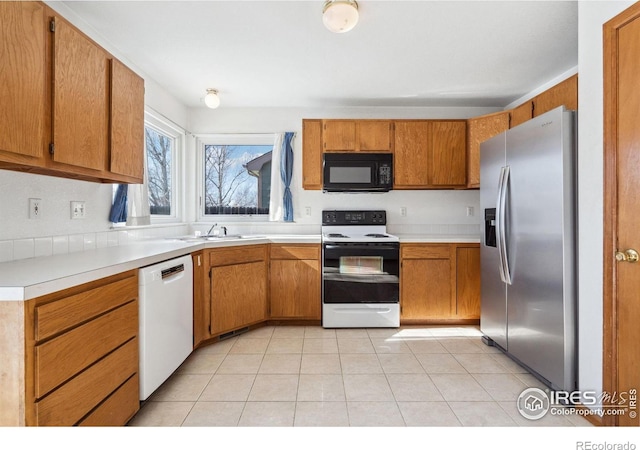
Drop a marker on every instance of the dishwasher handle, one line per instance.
(171, 271)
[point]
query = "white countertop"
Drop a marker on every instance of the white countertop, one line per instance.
(33, 277)
(438, 238)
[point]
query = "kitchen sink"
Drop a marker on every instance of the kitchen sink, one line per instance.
(222, 237)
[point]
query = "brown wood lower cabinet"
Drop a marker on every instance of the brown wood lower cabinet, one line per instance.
(237, 287)
(81, 355)
(440, 283)
(295, 276)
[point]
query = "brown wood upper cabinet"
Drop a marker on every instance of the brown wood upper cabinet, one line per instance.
(69, 108)
(479, 129)
(312, 154)
(430, 154)
(340, 135)
(564, 93)
(25, 92)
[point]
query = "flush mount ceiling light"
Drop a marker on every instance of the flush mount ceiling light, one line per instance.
(211, 99)
(340, 16)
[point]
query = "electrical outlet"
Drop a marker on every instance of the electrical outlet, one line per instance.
(470, 211)
(307, 210)
(403, 211)
(78, 210)
(35, 208)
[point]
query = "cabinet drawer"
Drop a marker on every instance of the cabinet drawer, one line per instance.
(61, 358)
(55, 317)
(426, 251)
(295, 251)
(119, 408)
(72, 401)
(238, 255)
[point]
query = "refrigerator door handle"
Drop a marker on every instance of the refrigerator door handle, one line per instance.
(499, 225)
(501, 221)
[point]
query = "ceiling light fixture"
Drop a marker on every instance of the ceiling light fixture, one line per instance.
(211, 99)
(340, 16)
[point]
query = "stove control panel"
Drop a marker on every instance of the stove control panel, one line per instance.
(351, 217)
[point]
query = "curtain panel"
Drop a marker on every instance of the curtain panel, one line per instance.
(281, 202)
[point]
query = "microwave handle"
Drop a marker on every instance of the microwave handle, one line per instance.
(376, 174)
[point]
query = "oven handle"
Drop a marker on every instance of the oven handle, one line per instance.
(388, 252)
(361, 247)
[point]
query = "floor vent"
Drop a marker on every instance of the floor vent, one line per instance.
(233, 333)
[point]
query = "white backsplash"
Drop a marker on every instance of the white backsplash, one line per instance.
(11, 250)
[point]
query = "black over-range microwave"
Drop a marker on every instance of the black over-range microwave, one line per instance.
(357, 172)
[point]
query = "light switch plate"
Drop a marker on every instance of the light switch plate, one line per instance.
(78, 210)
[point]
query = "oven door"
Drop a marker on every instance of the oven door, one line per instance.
(360, 273)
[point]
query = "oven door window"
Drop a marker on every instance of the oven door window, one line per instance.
(361, 273)
(369, 265)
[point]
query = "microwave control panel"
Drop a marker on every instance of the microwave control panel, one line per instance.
(384, 175)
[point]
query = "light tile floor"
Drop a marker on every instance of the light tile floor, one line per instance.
(313, 377)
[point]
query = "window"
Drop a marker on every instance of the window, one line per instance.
(159, 149)
(163, 147)
(236, 175)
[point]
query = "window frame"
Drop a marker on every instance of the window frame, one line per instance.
(160, 124)
(203, 140)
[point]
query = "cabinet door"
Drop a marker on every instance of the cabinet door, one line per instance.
(426, 289)
(521, 114)
(564, 93)
(374, 136)
(295, 289)
(339, 135)
(479, 129)
(23, 97)
(468, 282)
(80, 99)
(448, 154)
(238, 296)
(311, 154)
(127, 122)
(410, 165)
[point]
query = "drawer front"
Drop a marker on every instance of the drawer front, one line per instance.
(118, 408)
(55, 317)
(61, 358)
(434, 251)
(295, 251)
(72, 401)
(237, 255)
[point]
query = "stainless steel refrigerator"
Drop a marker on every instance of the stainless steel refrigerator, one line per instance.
(528, 250)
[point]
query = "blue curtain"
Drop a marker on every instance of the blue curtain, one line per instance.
(286, 171)
(119, 208)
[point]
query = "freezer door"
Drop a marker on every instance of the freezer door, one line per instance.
(493, 307)
(540, 217)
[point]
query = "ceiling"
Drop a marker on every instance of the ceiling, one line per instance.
(401, 53)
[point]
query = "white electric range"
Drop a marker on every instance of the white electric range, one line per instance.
(360, 270)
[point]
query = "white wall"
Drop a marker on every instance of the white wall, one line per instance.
(591, 16)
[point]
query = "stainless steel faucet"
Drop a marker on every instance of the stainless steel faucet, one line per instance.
(223, 229)
(211, 229)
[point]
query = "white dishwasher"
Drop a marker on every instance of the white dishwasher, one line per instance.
(166, 320)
